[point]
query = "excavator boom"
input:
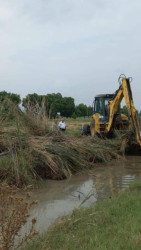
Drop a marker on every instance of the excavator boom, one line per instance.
(107, 116)
(124, 91)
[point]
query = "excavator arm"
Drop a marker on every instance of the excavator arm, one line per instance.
(124, 91)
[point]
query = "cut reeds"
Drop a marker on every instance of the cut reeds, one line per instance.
(29, 150)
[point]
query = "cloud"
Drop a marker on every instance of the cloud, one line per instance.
(77, 48)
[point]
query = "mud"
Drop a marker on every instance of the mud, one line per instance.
(58, 198)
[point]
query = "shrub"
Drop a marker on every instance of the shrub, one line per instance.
(14, 212)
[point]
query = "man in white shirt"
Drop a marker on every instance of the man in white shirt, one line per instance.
(62, 125)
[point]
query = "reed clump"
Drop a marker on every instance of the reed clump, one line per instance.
(30, 151)
(9, 111)
(15, 160)
(60, 159)
(14, 211)
(35, 119)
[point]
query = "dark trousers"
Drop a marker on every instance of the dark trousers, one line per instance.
(62, 129)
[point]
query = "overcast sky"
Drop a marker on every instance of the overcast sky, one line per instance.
(75, 47)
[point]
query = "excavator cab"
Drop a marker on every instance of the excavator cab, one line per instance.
(101, 105)
(107, 116)
(101, 111)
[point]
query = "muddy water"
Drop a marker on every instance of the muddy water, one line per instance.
(59, 198)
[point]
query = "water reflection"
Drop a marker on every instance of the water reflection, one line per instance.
(58, 198)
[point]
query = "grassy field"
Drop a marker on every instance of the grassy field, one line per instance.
(112, 224)
(73, 126)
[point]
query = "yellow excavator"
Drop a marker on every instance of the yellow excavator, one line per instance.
(107, 113)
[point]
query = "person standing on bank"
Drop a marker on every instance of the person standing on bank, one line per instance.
(62, 125)
(55, 126)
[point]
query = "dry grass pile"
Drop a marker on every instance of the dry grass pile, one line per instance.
(16, 154)
(30, 151)
(36, 125)
(26, 158)
(58, 159)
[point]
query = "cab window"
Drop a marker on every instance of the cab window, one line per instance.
(98, 106)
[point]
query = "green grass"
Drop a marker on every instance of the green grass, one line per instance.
(74, 126)
(16, 169)
(78, 119)
(112, 224)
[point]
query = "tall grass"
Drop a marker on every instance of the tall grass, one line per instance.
(29, 150)
(27, 159)
(36, 119)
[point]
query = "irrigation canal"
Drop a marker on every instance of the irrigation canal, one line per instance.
(58, 198)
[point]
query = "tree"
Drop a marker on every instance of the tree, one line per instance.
(31, 100)
(81, 110)
(67, 106)
(124, 110)
(77, 111)
(15, 98)
(33, 103)
(53, 104)
(74, 116)
(6, 107)
(90, 110)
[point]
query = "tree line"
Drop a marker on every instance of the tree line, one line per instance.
(52, 104)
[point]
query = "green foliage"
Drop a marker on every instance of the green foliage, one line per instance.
(7, 100)
(90, 110)
(124, 110)
(81, 110)
(32, 100)
(15, 98)
(74, 116)
(53, 103)
(68, 106)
